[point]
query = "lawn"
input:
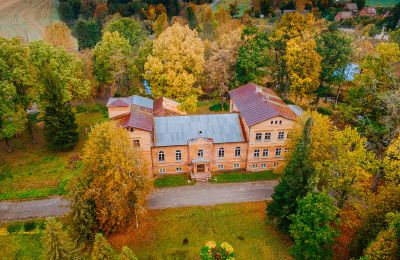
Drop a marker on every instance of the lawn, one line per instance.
(382, 3)
(173, 181)
(243, 177)
(242, 225)
(243, 5)
(32, 171)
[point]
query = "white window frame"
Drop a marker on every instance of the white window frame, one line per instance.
(178, 169)
(275, 165)
(178, 155)
(254, 166)
(278, 152)
(161, 156)
(281, 135)
(256, 153)
(264, 165)
(267, 136)
(220, 166)
(237, 151)
(200, 153)
(258, 137)
(236, 165)
(265, 152)
(221, 152)
(161, 170)
(136, 142)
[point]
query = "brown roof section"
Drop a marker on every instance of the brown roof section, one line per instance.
(257, 104)
(136, 119)
(118, 103)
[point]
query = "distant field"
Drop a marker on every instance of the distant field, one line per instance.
(26, 18)
(382, 3)
(243, 5)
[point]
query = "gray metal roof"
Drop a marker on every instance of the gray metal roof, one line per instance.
(178, 130)
(133, 100)
(296, 109)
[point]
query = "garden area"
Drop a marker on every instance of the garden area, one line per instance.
(33, 171)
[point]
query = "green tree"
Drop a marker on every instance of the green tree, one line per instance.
(336, 52)
(160, 24)
(176, 65)
(87, 33)
(191, 16)
(102, 250)
(313, 227)
(127, 254)
(296, 182)
(253, 57)
(113, 61)
(58, 244)
(214, 251)
(129, 28)
(234, 9)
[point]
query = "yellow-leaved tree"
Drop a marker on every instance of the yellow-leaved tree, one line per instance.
(303, 64)
(391, 161)
(115, 178)
(175, 65)
(59, 35)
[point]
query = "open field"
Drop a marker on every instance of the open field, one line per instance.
(32, 171)
(26, 18)
(243, 5)
(242, 225)
(382, 3)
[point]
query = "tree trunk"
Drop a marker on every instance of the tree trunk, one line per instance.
(136, 219)
(337, 95)
(377, 179)
(31, 131)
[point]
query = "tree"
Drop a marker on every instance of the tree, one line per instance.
(68, 10)
(129, 28)
(127, 254)
(175, 65)
(58, 244)
(87, 33)
(391, 162)
(119, 179)
(391, 118)
(16, 82)
(296, 182)
(360, 4)
(253, 56)
(301, 4)
(102, 250)
(303, 65)
(347, 170)
(191, 16)
(335, 51)
(313, 227)
(212, 250)
(113, 61)
(160, 24)
(393, 17)
(59, 35)
(205, 20)
(234, 9)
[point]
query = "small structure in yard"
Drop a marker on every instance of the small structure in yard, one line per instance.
(352, 7)
(368, 11)
(343, 15)
(251, 137)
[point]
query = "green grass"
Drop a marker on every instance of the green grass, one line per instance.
(242, 225)
(243, 177)
(32, 171)
(243, 5)
(382, 3)
(173, 181)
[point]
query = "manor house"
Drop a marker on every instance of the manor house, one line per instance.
(251, 137)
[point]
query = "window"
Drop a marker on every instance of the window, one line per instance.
(256, 153)
(161, 156)
(258, 137)
(221, 152)
(255, 166)
(200, 153)
(286, 149)
(280, 122)
(178, 155)
(278, 152)
(276, 122)
(178, 169)
(272, 122)
(265, 152)
(237, 152)
(275, 165)
(263, 165)
(162, 170)
(236, 165)
(220, 166)
(131, 129)
(281, 135)
(267, 137)
(136, 143)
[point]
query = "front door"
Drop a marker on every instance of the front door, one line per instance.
(201, 168)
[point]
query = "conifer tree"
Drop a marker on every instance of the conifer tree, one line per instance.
(58, 244)
(127, 254)
(102, 249)
(296, 182)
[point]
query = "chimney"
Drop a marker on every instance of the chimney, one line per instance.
(258, 89)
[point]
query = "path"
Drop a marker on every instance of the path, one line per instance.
(200, 194)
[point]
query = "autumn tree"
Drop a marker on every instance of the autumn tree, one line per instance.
(102, 250)
(234, 9)
(127, 254)
(391, 162)
(117, 176)
(16, 82)
(253, 57)
(86, 56)
(113, 61)
(59, 35)
(129, 28)
(160, 24)
(205, 21)
(175, 65)
(58, 244)
(87, 33)
(313, 227)
(296, 182)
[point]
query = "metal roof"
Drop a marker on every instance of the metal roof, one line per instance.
(178, 130)
(132, 100)
(136, 119)
(296, 109)
(257, 104)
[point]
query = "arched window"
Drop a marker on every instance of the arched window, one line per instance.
(178, 155)
(161, 156)
(200, 153)
(221, 152)
(237, 151)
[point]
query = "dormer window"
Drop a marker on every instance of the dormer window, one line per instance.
(131, 129)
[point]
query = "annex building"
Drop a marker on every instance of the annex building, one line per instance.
(251, 137)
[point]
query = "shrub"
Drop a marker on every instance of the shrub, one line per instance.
(324, 111)
(14, 228)
(29, 226)
(217, 107)
(212, 250)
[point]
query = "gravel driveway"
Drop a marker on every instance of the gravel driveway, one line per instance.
(200, 194)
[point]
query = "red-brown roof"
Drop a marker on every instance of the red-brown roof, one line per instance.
(257, 104)
(136, 119)
(118, 103)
